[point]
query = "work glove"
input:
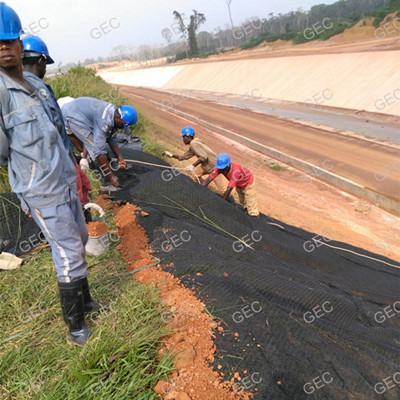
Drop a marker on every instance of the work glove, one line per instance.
(84, 164)
(168, 154)
(190, 168)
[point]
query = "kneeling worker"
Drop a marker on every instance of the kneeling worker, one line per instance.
(240, 178)
(206, 158)
(94, 122)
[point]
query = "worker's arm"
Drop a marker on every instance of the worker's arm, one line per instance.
(113, 143)
(105, 169)
(117, 152)
(74, 140)
(186, 156)
(211, 177)
(227, 193)
(207, 181)
(178, 157)
(198, 162)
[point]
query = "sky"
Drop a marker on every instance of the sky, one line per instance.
(75, 30)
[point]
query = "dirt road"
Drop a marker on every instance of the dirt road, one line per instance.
(355, 159)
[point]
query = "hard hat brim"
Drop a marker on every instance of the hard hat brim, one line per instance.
(49, 60)
(9, 36)
(221, 166)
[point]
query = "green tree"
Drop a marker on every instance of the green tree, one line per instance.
(189, 31)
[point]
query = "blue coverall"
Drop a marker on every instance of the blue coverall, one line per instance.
(91, 121)
(42, 173)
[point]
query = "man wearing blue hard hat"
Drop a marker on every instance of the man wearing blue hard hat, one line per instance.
(42, 174)
(94, 122)
(35, 57)
(206, 158)
(34, 60)
(240, 178)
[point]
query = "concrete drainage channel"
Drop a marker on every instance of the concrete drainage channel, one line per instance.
(385, 202)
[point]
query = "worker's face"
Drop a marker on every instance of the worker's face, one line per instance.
(42, 65)
(187, 139)
(118, 121)
(226, 169)
(10, 53)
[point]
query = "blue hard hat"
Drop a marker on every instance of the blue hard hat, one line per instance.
(10, 24)
(188, 131)
(33, 44)
(223, 160)
(129, 115)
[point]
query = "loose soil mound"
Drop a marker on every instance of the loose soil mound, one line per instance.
(97, 229)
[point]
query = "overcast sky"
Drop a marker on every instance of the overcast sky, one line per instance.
(78, 29)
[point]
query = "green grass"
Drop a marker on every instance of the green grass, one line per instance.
(83, 82)
(4, 185)
(276, 166)
(120, 362)
(145, 129)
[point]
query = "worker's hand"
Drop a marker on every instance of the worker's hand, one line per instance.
(114, 180)
(84, 164)
(122, 164)
(168, 154)
(190, 168)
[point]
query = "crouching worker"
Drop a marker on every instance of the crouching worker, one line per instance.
(43, 176)
(206, 158)
(240, 178)
(35, 59)
(94, 122)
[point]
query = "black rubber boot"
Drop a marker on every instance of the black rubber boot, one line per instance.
(90, 305)
(72, 305)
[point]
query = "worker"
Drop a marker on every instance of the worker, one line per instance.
(94, 122)
(240, 178)
(35, 59)
(206, 158)
(42, 174)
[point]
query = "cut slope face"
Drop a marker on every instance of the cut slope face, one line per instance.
(363, 81)
(292, 309)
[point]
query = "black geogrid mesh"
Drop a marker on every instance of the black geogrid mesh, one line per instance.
(351, 346)
(18, 233)
(347, 345)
